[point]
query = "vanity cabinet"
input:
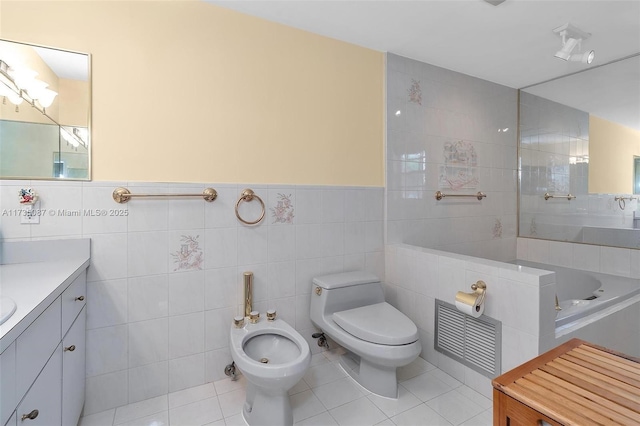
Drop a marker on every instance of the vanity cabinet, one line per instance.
(49, 359)
(7, 383)
(35, 346)
(42, 405)
(73, 371)
(13, 421)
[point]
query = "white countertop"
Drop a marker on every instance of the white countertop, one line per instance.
(34, 286)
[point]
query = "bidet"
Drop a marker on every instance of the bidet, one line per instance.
(273, 357)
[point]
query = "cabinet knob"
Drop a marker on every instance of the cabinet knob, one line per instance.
(80, 298)
(32, 415)
(70, 348)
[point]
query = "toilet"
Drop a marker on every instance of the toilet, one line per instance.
(273, 357)
(350, 308)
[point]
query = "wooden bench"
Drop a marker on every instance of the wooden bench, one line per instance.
(577, 383)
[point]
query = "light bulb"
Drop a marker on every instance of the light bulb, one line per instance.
(46, 97)
(36, 88)
(14, 98)
(22, 76)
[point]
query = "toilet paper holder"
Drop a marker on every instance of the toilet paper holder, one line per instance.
(479, 288)
(476, 298)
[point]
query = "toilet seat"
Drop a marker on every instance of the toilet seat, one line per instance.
(378, 323)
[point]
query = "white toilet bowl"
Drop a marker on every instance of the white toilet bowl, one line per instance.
(350, 308)
(273, 357)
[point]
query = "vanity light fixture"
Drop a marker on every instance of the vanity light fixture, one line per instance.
(74, 136)
(20, 84)
(23, 84)
(572, 37)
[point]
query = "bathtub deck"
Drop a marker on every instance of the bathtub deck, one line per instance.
(575, 383)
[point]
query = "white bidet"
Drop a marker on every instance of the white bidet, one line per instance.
(273, 357)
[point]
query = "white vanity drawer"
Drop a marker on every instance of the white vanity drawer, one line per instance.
(13, 421)
(35, 345)
(73, 300)
(7, 383)
(44, 396)
(73, 371)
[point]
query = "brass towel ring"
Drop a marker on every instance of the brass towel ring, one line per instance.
(248, 195)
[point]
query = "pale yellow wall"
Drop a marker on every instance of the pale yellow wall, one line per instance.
(188, 91)
(73, 102)
(611, 151)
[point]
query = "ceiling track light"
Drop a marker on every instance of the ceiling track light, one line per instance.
(572, 37)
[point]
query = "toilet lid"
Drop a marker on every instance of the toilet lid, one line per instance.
(380, 323)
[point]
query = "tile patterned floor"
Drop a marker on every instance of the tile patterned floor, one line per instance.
(325, 396)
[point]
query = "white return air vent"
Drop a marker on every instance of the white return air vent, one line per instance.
(474, 342)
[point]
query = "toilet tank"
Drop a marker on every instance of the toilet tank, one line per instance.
(347, 290)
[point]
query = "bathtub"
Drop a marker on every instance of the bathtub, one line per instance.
(581, 293)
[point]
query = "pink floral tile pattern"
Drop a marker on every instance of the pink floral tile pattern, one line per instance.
(415, 92)
(497, 229)
(460, 166)
(190, 256)
(283, 211)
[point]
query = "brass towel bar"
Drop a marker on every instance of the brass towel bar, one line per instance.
(625, 198)
(621, 200)
(479, 195)
(568, 196)
(123, 195)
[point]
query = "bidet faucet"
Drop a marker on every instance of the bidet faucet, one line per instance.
(248, 293)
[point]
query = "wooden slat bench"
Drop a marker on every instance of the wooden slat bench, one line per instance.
(577, 383)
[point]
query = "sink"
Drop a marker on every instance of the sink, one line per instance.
(7, 308)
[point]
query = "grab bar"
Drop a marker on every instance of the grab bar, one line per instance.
(123, 195)
(568, 196)
(479, 195)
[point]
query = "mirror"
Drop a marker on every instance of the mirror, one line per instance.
(579, 143)
(45, 113)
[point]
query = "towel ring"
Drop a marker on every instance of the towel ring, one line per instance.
(248, 195)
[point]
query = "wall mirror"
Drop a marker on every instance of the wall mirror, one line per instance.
(45, 112)
(579, 144)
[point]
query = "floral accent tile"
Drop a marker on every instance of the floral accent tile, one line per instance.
(283, 211)
(497, 229)
(460, 166)
(415, 92)
(190, 256)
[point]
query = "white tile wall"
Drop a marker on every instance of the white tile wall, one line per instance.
(453, 107)
(153, 327)
(552, 137)
(417, 276)
(609, 260)
(521, 298)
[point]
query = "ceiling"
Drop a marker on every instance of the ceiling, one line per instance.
(510, 44)
(65, 64)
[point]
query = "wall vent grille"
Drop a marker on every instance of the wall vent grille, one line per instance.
(474, 342)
